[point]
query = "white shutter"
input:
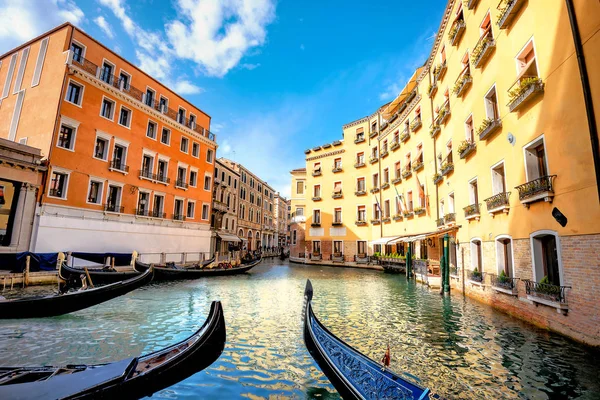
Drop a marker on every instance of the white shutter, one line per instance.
(37, 74)
(21, 72)
(12, 133)
(9, 75)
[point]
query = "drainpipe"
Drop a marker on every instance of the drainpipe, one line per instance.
(437, 195)
(587, 92)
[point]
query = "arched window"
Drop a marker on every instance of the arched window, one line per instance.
(546, 257)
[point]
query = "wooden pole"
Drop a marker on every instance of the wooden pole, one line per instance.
(89, 278)
(26, 274)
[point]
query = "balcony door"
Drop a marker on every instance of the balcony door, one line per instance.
(143, 203)
(113, 198)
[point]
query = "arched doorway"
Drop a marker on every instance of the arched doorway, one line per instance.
(257, 240)
(249, 240)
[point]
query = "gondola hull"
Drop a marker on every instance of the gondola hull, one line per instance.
(130, 378)
(354, 375)
(100, 276)
(175, 273)
(51, 306)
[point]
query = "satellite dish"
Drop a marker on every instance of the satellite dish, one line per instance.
(511, 139)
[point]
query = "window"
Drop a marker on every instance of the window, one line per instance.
(58, 185)
(316, 216)
(374, 126)
(386, 175)
(526, 61)
(9, 75)
(504, 255)
(337, 215)
(536, 164)
(209, 156)
(407, 165)
(360, 135)
(205, 212)
(66, 137)
(300, 187)
(143, 206)
(113, 199)
(337, 188)
(419, 155)
(95, 192)
(162, 170)
(178, 210)
(119, 157)
(498, 179)
(124, 80)
(151, 130)
(397, 171)
(101, 148)
(316, 247)
(375, 181)
(384, 148)
(163, 104)
(196, 149)
(193, 178)
(386, 209)
(77, 51)
(299, 211)
(165, 137)
(409, 196)
(491, 104)
(207, 180)
(106, 73)
(376, 215)
(486, 26)
(294, 237)
(338, 247)
(546, 261)
(360, 158)
(362, 248)
(192, 123)
(418, 114)
(451, 203)
(149, 98)
(317, 191)
(147, 166)
(476, 255)
(191, 207)
(125, 117)
(184, 144)
(469, 131)
(361, 213)
(473, 195)
(374, 152)
(159, 205)
(337, 163)
(181, 116)
(108, 109)
(360, 185)
(74, 93)
(21, 70)
(181, 175)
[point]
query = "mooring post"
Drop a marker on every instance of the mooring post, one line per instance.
(408, 262)
(446, 274)
(26, 273)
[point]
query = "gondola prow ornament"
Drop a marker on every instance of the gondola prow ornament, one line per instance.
(387, 357)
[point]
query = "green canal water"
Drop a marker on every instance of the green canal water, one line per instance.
(459, 348)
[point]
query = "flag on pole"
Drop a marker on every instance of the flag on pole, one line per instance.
(421, 191)
(398, 200)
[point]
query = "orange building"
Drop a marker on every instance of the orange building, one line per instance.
(130, 162)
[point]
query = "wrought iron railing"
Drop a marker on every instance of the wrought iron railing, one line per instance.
(476, 276)
(497, 200)
(536, 186)
(178, 217)
(503, 282)
(450, 217)
(114, 208)
(118, 165)
(159, 214)
(144, 212)
(181, 183)
(546, 291)
(481, 50)
(55, 192)
(472, 210)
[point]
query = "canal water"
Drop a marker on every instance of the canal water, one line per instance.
(459, 348)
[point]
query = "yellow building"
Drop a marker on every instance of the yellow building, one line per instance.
(492, 142)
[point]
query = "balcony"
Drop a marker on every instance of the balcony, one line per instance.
(337, 195)
(488, 126)
(316, 224)
(450, 218)
(397, 217)
(465, 148)
(435, 129)
(440, 70)
(317, 172)
(443, 114)
(483, 49)
(417, 165)
(360, 192)
(498, 203)
(359, 164)
(373, 159)
(476, 276)
(456, 32)
(396, 180)
(181, 184)
(316, 256)
(440, 222)
(335, 170)
(407, 172)
(463, 81)
(360, 222)
(411, 96)
(395, 144)
(114, 208)
(547, 294)
(385, 185)
(405, 135)
(408, 214)
(432, 89)
(178, 217)
(385, 220)
(419, 210)
(219, 206)
(359, 139)
(504, 284)
(373, 134)
(116, 165)
(316, 198)
(508, 11)
(437, 178)
(142, 212)
(416, 124)
(374, 190)
(523, 90)
(384, 153)
(472, 212)
(375, 222)
(471, 4)
(446, 168)
(537, 190)
(158, 214)
(116, 83)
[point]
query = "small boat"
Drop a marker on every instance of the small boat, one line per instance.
(103, 275)
(59, 304)
(130, 378)
(354, 375)
(173, 272)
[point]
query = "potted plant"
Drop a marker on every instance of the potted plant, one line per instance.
(523, 85)
(437, 177)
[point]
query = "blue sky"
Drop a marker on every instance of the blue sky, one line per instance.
(276, 77)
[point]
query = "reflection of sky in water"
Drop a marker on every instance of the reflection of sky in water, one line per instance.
(459, 348)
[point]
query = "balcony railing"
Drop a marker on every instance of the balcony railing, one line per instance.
(476, 276)
(472, 211)
(359, 164)
(219, 206)
(317, 172)
(395, 144)
(456, 31)
(178, 217)
(374, 190)
(465, 148)
(450, 217)
(373, 134)
(337, 195)
(504, 282)
(117, 83)
(405, 135)
(437, 178)
(435, 129)
(336, 169)
(462, 82)
(384, 153)
(447, 167)
(419, 210)
(488, 126)
(55, 192)
(537, 189)
(416, 124)
(498, 202)
(316, 224)
(397, 217)
(385, 185)
(417, 165)
(360, 192)
(373, 159)
(397, 180)
(523, 90)
(443, 113)
(508, 10)
(142, 212)
(483, 49)
(359, 140)
(408, 214)
(406, 173)
(315, 256)
(182, 184)
(360, 222)
(432, 89)
(440, 222)
(118, 166)
(115, 208)
(316, 198)
(546, 291)
(375, 222)
(440, 70)
(159, 214)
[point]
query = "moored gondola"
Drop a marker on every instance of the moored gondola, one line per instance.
(50, 306)
(103, 275)
(129, 378)
(354, 375)
(174, 272)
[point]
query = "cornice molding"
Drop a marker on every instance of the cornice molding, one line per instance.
(331, 153)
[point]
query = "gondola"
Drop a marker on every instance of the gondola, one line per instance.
(50, 306)
(174, 272)
(130, 378)
(103, 275)
(354, 375)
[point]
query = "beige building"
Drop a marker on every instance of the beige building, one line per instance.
(282, 222)
(224, 209)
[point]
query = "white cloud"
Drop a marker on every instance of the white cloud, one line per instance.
(185, 87)
(216, 128)
(25, 19)
(249, 66)
(390, 92)
(105, 26)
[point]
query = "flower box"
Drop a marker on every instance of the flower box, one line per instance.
(483, 49)
(508, 10)
(417, 165)
(395, 144)
(466, 148)
(456, 32)
(462, 84)
(488, 126)
(435, 129)
(416, 124)
(524, 90)
(437, 178)
(404, 137)
(419, 211)
(406, 173)
(447, 168)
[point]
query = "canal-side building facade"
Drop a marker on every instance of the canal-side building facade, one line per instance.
(281, 220)
(298, 206)
(130, 162)
(483, 145)
(224, 209)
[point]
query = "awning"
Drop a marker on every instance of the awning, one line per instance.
(228, 238)
(383, 240)
(412, 83)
